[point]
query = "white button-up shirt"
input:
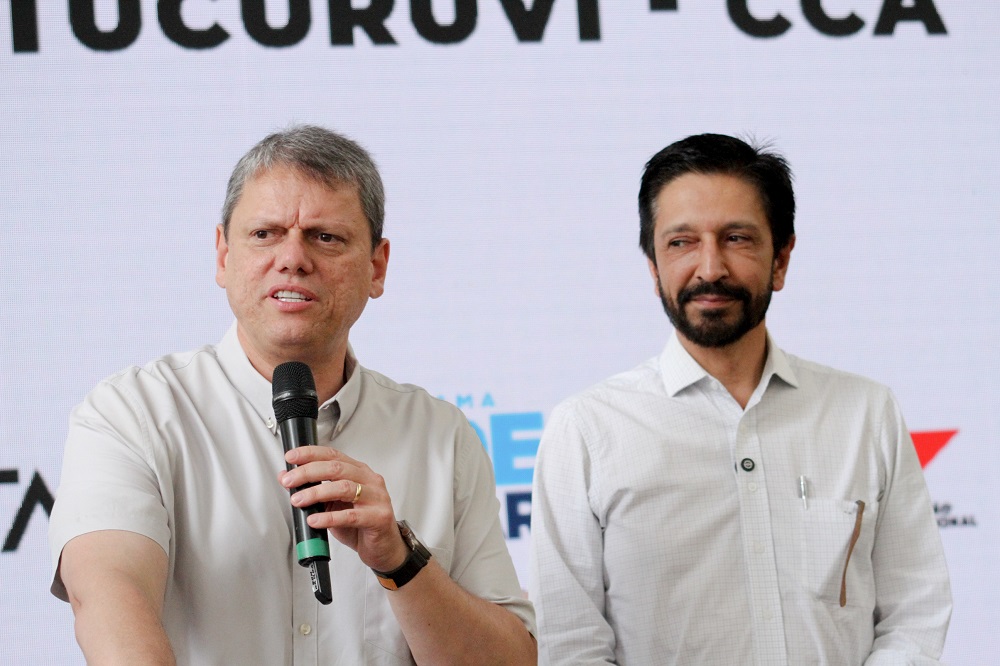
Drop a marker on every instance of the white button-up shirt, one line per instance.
(669, 524)
(185, 451)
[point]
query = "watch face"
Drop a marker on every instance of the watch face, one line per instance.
(418, 558)
(412, 541)
(407, 534)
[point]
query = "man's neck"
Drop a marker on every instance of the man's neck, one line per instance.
(738, 366)
(328, 370)
(330, 378)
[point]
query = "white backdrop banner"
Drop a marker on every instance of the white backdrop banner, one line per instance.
(511, 135)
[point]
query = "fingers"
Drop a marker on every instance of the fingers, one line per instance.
(316, 464)
(357, 516)
(342, 481)
(343, 491)
(305, 454)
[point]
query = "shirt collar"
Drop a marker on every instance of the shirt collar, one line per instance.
(679, 370)
(777, 364)
(677, 367)
(257, 390)
(347, 397)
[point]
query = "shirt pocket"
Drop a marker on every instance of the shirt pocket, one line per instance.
(385, 644)
(828, 527)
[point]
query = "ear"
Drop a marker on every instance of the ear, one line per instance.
(780, 267)
(654, 272)
(380, 264)
(221, 254)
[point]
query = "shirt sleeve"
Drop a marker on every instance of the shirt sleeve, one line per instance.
(567, 570)
(913, 594)
(482, 563)
(108, 480)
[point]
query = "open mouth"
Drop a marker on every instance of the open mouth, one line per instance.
(290, 297)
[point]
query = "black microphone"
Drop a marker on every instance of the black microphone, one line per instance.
(293, 396)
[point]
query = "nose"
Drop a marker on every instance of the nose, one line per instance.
(293, 254)
(711, 262)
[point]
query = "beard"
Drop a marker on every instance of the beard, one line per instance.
(714, 330)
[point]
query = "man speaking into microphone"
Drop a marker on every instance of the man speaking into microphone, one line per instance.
(172, 535)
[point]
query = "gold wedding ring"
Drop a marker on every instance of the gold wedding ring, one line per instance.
(357, 494)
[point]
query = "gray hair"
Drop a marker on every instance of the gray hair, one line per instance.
(316, 153)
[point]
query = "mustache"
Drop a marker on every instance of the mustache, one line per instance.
(713, 289)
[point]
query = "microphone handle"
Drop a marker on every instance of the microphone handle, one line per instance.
(312, 546)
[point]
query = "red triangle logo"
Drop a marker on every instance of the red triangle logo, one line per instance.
(930, 442)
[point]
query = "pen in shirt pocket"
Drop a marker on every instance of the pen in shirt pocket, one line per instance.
(804, 492)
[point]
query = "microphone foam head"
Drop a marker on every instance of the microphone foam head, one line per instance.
(293, 392)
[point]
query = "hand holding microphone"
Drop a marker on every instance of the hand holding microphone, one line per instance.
(353, 503)
(293, 396)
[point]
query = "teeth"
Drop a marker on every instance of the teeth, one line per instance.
(290, 297)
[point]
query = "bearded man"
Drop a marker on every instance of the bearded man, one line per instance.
(726, 502)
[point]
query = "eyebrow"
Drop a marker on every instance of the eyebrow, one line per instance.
(728, 226)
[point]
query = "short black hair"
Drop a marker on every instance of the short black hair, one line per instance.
(758, 165)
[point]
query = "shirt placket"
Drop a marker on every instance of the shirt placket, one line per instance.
(758, 544)
(305, 614)
(305, 607)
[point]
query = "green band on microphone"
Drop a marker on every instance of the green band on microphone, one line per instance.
(312, 548)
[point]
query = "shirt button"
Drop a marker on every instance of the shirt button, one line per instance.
(768, 615)
(747, 465)
(270, 422)
(758, 547)
(752, 487)
(305, 629)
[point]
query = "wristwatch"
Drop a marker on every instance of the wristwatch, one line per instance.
(417, 560)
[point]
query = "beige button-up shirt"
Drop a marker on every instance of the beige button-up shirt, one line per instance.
(185, 451)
